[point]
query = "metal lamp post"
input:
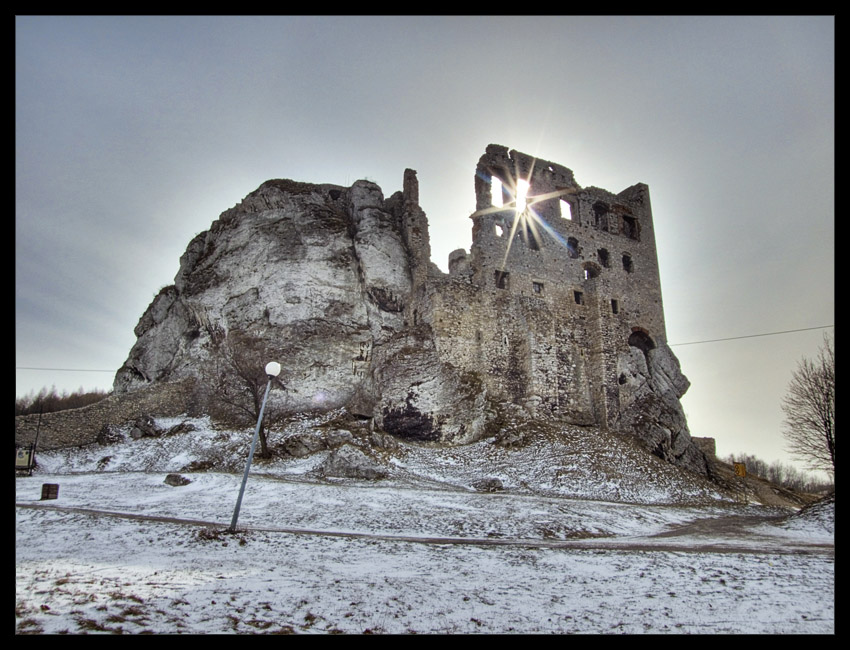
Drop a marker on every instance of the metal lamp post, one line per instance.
(272, 370)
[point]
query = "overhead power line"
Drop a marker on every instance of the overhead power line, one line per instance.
(63, 369)
(729, 338)
(750, 336)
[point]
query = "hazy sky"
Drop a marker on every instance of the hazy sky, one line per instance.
(134, 134)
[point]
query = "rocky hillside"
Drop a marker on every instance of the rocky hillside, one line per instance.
(540, 459)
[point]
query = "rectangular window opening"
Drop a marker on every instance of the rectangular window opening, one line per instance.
(579, 297)
(502, 279)
(630, 227)
(537, 286)
(497, 194)
(615, 307)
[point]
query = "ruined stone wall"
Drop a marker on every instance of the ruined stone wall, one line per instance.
(707, 445)
(82, 426)
(608, 238)
(526, 349)
(554, 299)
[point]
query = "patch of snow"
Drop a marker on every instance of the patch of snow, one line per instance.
(79, 572)
(572, 544)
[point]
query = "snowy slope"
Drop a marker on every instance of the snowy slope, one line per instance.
(571, 462)
(572, 544)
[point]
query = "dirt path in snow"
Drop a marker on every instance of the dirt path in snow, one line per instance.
(730, 534)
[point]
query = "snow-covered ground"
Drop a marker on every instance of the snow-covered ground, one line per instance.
(419, 552)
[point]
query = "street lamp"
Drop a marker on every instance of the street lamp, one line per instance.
(272, 371)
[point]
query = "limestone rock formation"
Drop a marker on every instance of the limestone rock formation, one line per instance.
(554, 314)
(650, 407)
(348, 461)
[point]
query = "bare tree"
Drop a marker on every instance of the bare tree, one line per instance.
(809, 408)
(237, 380)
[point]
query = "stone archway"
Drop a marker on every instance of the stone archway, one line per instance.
(641, 340)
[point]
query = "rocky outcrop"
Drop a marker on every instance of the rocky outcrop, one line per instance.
(488, 485)
(348, 461)
(324, 275)
(421, 397)
(651, 385)
(176, 480)
(320, 273)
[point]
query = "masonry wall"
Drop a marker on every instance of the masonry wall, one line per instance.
(544, 308)
(708, 446)
(75, 427)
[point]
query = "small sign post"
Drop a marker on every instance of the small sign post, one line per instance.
(25, 459)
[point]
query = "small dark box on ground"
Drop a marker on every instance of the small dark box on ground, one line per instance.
(49, 491)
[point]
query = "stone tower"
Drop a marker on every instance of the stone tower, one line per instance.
(564, 292)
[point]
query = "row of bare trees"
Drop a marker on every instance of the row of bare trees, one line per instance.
(49, 400)
(808, 428)
(781, 473)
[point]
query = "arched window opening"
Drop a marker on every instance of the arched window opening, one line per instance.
(628, 266)
(642, 341)
(591, 271)
(604, 258)
(572, 247)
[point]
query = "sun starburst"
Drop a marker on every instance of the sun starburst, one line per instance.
(526, 221)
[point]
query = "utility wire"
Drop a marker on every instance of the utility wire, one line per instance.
(750, 336)
(730, 338)
(63, 369)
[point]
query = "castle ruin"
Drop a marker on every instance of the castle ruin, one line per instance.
(553, 316)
